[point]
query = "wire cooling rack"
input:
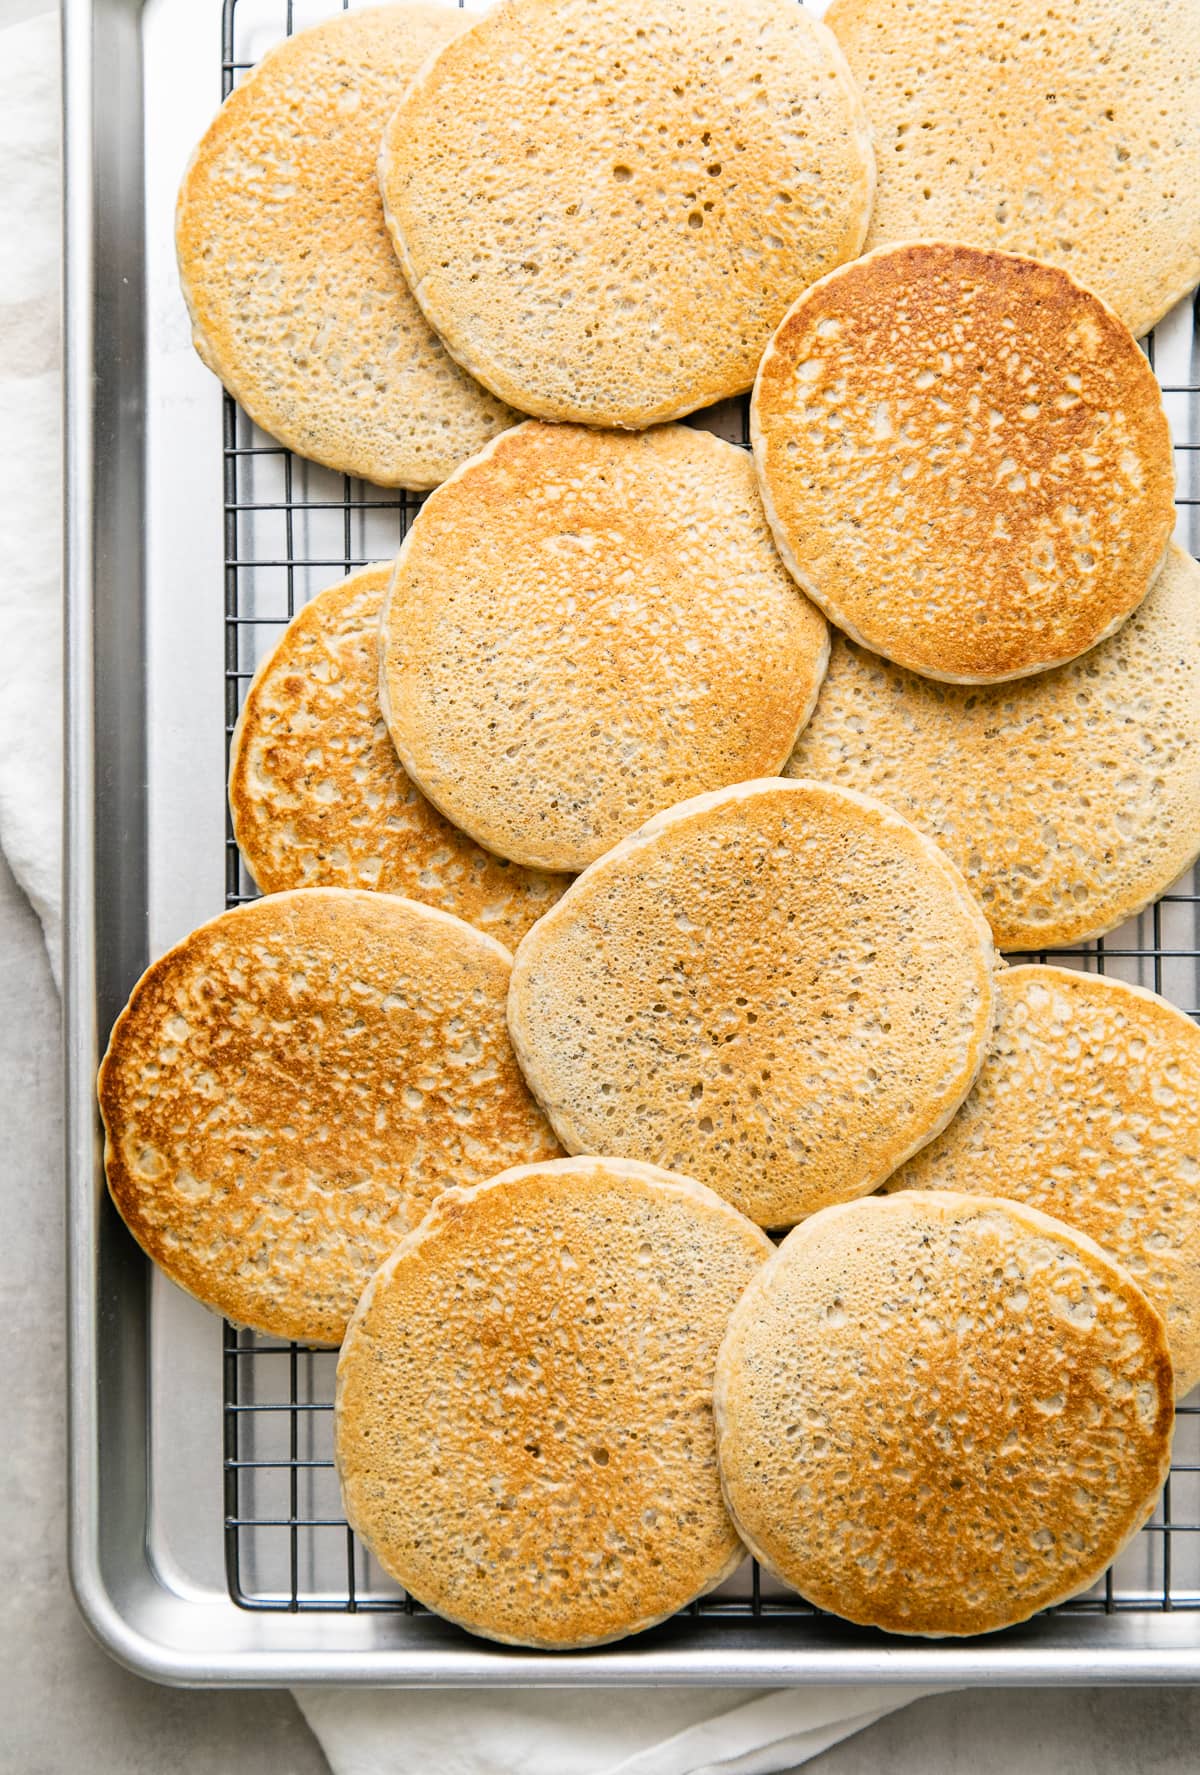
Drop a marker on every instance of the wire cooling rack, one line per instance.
(292, 528)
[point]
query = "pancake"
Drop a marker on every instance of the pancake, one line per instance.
(290, 1087)
(780, 988)
(1069, 801)
(295, 297)
(965, 460)
(1088, 1107)
(937, 1414)
(605, 206)
(318, 797)
(524, 1424)
(585, 627)
(1071, 134)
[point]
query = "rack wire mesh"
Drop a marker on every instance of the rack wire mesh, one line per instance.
(292, 528)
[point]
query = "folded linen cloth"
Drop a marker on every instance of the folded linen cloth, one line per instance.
(589, 1732)
(30, 484)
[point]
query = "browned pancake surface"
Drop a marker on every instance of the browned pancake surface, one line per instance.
(1069, 800)
(965, 460)
(586, 626)
(289, 1088)
(524, 1423)
(1071, 133)
(781, 989)
(937, 1414)
(605, 206)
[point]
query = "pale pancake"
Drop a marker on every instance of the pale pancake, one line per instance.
(1071, 133)
(605, 206)
(290, 1087)
(1088, 1106)
(1069, 801)
(524, 1424)
(937, 1414)
(296, 300)
(318, 797)
(585, 627)
(965, 460)
(781, 989)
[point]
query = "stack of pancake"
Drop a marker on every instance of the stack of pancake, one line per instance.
(755, 759)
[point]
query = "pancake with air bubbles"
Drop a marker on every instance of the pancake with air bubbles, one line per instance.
(318, 797)
(605, 206)
(937, 1414)
(1069, 801)
(290, 1087)
(587, 626)
(1088, 1106)
(780, 988)
(965, 460)
(296, 300)
(1071, 133)
(524, 1429)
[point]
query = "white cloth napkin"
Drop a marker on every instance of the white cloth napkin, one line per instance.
(30, 469)
(639, 1732)
(589, 1732)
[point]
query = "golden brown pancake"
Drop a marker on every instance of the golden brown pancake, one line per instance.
(296, 300)
(780, 988)
(524, 1424)
(585, 627)
(1069, 800)
(605, 209)
(965, 460)
(937, 1414)
(290, 1087)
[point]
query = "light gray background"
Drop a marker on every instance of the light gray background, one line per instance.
(65, 1707)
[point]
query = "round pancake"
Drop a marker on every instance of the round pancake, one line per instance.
(1088, 1106)
(585, 627)
(318, 797)
(1071, 134)
(780, 988)
(288, 1089)
(1069, 801)
(937, 1414)
(605, 206)
(524, 1428)
(965, 460)
(295, 297)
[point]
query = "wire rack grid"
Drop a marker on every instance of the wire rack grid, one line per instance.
(290, 529)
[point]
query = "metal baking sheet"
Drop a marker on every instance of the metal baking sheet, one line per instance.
(206, 1538)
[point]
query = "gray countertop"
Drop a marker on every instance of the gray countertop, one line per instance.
(64, 1706)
